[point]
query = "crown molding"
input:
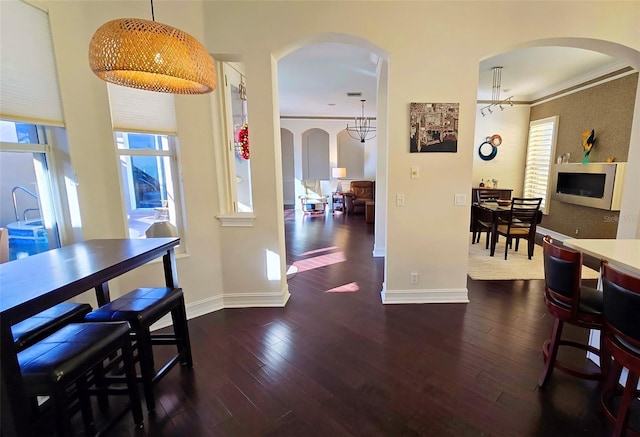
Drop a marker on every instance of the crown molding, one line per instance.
(584, 85)
(575, 84)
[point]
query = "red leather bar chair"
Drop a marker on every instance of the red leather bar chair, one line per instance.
(568, 301)
(622, 342)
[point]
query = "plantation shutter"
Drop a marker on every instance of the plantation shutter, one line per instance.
(542, 143)
(29, 87)
(134, 110)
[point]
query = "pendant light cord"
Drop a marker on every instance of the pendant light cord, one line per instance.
(153, 16)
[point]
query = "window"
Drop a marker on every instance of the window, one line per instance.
(540, 149)
(39, 202)
(148, 168)
(144, 123)
(235, 93)
(27, 201)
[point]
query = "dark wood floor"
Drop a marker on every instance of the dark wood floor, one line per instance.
(336, 362)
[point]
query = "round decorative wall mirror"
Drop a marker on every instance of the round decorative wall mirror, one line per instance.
(487, 151)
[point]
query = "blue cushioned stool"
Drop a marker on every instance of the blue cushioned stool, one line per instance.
(65, 360)
(142, 308)
(47, 322)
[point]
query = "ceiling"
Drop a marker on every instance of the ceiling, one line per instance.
(314, 81)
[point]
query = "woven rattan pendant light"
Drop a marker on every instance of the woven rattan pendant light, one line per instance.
(151, 56)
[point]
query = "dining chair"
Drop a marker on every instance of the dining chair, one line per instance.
(481, 223)
(622, 342)
(568, 301)
(520, 223)
(486, 196)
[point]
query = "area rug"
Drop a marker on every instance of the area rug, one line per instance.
(516, 266)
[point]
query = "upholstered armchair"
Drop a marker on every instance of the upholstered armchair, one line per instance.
(313, 202)
(360, 192)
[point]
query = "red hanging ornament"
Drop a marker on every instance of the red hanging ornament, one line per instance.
(242, 149)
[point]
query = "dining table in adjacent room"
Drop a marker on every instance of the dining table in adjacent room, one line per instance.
(33, 284)
(491, 212)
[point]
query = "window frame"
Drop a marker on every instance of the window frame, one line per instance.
(175, 171)
(54, 203)
(230, 215)
(234, 75)
(532, 185)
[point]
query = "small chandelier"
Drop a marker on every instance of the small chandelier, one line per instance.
(362, 128)
(151, 56)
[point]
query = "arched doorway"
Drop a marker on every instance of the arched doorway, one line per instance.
(374, 161)
(609, 65)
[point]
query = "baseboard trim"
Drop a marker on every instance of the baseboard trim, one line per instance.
(379, 252)
(553, 234)
(450, 295)
(194, 309)
(229, 300)
(249, 300)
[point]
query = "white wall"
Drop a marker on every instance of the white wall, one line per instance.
(91, 144)
(434, 61)
(507, 167)
(629, 224)
(437, 62)
(288, 168)
(334, 128)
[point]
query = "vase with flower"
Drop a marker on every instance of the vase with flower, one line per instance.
(588, 140)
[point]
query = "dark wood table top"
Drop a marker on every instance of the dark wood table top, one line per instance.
(493, 206)
(35, 283)
(70, 270)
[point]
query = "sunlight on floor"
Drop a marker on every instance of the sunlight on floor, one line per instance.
(324, 249)
(351, 287)
(320, 261)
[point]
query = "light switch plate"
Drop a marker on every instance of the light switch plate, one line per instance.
(415, 172)
(399, 199)
(460, 199)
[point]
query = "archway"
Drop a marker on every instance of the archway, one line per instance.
(379, 167)
(513, 126)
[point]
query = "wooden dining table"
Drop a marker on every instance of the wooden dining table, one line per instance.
(33, 284)
(491, 212)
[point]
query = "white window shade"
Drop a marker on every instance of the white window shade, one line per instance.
(29, 87)
(134, 110)
(542, 142)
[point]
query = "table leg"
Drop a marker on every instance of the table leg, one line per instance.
(102, 294)
(170, 271)
(494, 236)
(14, 407)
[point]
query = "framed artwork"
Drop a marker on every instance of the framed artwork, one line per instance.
(433, 127)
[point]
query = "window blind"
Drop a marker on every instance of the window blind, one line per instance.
(542, 141)
(29, 87)
(134, 110)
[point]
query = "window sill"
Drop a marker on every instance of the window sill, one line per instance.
(238, 219)
(179, 251)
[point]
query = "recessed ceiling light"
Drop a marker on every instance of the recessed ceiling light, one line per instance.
(331, 104)
(354, 94)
